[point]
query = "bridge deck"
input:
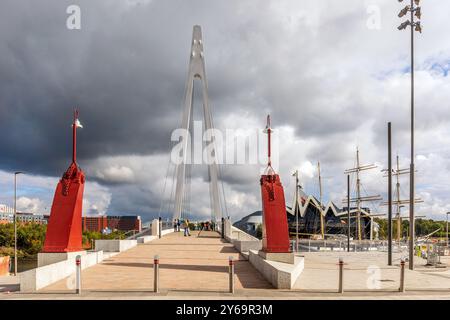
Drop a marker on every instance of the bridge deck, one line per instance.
(186, 263)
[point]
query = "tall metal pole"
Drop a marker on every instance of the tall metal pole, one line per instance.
(358, 198)
(389, 196)
(411, 183)
(296, 211)
(348, 213)
(322, 219)
(15, 224)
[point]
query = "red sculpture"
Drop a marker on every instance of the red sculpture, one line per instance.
(275, 226)
(64, 230)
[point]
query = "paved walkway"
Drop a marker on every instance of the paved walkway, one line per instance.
(196, 263)
(196, 267)
(369, 271)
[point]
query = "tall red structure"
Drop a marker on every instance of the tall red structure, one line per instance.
(64, 230)
(275, 226)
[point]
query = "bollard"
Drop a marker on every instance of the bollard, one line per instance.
(231, 273)
(341, 275)
(78, 276)
(156, 274)
(402, 276)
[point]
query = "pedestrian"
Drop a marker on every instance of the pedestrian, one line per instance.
(175, 224)
(178, 225)
(186, 228)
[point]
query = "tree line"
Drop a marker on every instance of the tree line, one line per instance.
(31, 236)
(423, 227)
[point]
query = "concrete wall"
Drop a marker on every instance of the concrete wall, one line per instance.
(146, 239)
(227, 229)
(155, 227)
(241, 240)
(41, 277)
(46, 258)
(280, 275)
(164, 232)
(115, 245)
(247, 245)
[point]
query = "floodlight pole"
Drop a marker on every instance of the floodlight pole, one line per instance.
(414, 26)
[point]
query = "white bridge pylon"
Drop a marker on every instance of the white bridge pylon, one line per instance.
(197, 71)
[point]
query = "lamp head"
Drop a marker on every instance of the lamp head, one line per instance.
(418, 27)
(404, 25)
(418, 13)
(404, 11)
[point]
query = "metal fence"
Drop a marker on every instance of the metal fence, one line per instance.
(422, 249)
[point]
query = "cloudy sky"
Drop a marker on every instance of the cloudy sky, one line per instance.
(331, 74)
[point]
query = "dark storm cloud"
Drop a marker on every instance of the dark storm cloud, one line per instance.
(125, 70)
(314, 65)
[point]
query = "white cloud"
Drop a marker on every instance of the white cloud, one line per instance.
(115, 174)
(29, 205)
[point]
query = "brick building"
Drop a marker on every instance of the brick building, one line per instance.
(122, 223)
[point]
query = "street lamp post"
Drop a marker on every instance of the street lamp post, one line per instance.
(15, 221)
(415, 10)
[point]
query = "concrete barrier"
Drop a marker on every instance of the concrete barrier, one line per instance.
(46, 258)
(38, 278)
(167, 231)
(115, 245)
(280, 275)
(155, 227)
(247, 245)
(242, 241)
(227, 229)
(146, 239)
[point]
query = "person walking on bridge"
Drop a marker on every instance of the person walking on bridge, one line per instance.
(186, 228)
